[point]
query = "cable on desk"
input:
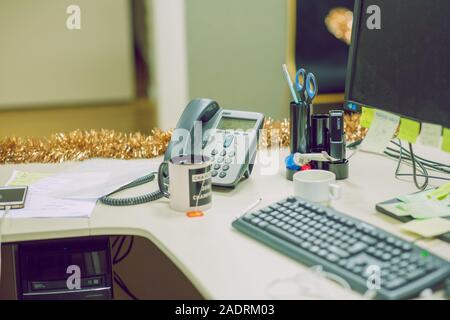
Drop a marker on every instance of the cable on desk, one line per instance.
(420, 165)
(155, 195)
(414, 168)
(424, 170)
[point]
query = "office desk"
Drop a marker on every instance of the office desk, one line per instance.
(219, 261)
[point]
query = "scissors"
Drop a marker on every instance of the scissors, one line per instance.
(305, 83)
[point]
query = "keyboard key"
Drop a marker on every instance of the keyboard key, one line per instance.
(323, 244)
(283, 234)
(357, 247)
(368, 240)
(341, 253)
(357, 269)
(255, 220)
(298, 224)
(322, 252)
(314, 249)
(381, 245)
(386, 257)
(263, 224)
(406, 247)
(248, 217)
(332, 257)
(305, 245)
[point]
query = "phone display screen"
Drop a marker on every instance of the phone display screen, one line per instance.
(12, 195)
(229, 123)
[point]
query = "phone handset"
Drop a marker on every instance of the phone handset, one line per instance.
(187, 135)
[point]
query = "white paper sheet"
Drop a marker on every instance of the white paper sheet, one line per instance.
(95, 178)
(381, 132)
(39, 204)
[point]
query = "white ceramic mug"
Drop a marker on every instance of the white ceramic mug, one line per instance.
(316, 186)
(189, 183)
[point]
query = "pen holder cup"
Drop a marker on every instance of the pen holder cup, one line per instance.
(340, 169)
(300, 127)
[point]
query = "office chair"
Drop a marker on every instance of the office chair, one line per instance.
(313, 47)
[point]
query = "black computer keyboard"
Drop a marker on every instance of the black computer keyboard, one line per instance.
(317, 235)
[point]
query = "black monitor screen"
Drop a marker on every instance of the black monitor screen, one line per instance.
(404, 67)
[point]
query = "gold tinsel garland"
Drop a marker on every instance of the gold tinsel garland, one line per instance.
(81, 145)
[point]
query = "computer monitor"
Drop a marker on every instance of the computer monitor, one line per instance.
(403, 67)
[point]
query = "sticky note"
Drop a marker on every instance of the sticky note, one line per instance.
(367, 115)
(22, 178)
(428, 228)
(440, 193)
(427, 209)
(415, 197)
(395, 208)
(430, 134)
(382, 129)
(409, 130)
(446, 140)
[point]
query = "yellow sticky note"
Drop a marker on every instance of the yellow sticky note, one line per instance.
(366, 117)
(409, 130)
(446, 140)
(428, 228)
(441, 192)
(21, 178)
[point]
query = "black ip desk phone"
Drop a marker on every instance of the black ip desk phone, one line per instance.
(228, 137)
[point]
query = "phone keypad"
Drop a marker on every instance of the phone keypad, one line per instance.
(223, 158)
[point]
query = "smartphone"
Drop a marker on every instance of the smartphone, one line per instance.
(13, 197)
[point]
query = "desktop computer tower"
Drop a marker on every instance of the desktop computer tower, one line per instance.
(64, 269)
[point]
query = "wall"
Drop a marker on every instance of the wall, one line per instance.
(235, 51)
(230, 51)
(42, 62)
(166, 23)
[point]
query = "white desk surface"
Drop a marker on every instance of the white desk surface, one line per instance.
(221, 262)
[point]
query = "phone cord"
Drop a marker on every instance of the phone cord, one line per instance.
(155, 195)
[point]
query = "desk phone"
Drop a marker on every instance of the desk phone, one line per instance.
(228, 137)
